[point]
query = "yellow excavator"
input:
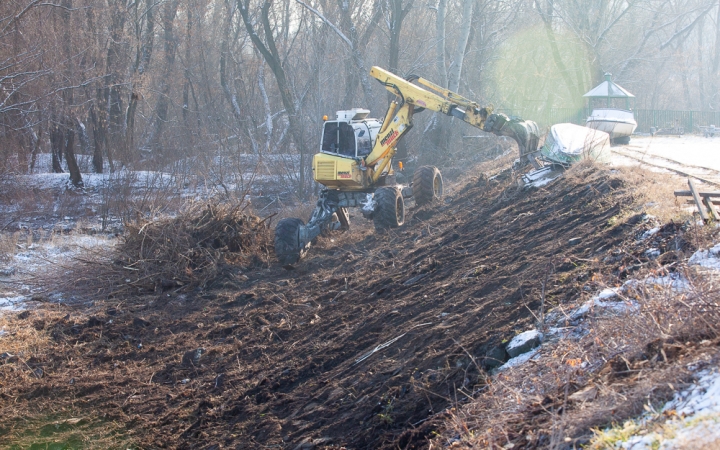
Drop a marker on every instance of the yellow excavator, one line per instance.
(355, 161)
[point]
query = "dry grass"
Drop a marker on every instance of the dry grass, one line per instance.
(23, 360)
(655, 193)
(611, 368)
(8, 246)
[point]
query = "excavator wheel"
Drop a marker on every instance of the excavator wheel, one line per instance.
(287, 241)
(390, 209)
(427, 185)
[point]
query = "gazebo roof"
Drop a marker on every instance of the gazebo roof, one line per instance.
(608, 89)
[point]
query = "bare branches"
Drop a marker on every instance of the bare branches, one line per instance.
(328, 23)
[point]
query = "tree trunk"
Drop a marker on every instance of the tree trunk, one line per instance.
(397, 16)
(546, 17)
(356, 55)
(153, 142)
(98, 137)
(272, 57)
(57, 145)
(112, 94)
(462, 45)
(36, 147)
(142, 61)
(715, 100)
(701, 66)
(69, 146)
(85, 146)
(440, 43)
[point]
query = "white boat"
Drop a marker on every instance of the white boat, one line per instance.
(567, 143)
(618, 123)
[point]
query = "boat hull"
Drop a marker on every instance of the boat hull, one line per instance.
(615, 122)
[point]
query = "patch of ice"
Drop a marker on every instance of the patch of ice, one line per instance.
(706, 258)
(652, 253)
(542, 182)
(705, 434)
(602, 301)
(639, 442)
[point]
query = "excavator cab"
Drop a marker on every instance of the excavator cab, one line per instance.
(351, 135)
(351, 140)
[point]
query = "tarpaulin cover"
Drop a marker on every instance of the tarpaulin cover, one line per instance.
(567, 143)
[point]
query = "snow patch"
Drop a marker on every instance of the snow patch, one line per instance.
(519, 360)
(649, 233)
(14, 303)
(522, 338)
(673, 281)
(706, 258)
(695, 421)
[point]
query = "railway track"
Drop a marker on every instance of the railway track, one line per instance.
(626, 153)
(671, 160)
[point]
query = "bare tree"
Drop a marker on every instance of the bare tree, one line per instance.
(268, 49)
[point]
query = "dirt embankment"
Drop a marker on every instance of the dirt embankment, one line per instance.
(363, 345)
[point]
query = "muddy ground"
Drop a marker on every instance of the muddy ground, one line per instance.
(363, 345)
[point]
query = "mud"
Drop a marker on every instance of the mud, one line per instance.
(363, 345)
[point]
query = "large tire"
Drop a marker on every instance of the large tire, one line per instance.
(287, 241)
(390, 209)
(427, 185)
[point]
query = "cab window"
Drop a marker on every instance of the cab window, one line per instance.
(364, 144)
(339, 137)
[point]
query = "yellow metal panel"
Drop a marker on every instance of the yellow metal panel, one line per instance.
(413, 94)
(325, 171)
(337, 171)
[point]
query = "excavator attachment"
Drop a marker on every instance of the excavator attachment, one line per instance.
(524, 132)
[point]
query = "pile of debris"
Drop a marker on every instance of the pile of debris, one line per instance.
(190, 250)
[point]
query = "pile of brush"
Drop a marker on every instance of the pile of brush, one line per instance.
(193, 248)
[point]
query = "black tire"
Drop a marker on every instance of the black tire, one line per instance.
(427, 185)
(287, 241)
(390, 208)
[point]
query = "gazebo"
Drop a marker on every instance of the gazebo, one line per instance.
(609, 90)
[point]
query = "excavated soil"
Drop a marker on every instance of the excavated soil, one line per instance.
(362, 345)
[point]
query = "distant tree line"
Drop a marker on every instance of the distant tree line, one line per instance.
(143, 83)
